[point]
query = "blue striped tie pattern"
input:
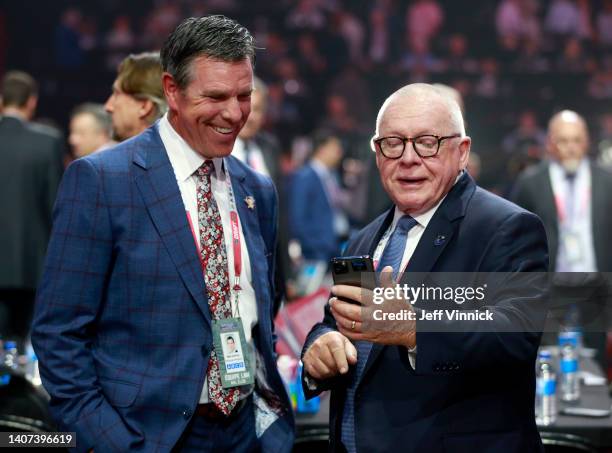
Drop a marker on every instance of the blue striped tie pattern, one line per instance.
(392, 256)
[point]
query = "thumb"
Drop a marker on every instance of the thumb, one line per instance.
(386, 277)
(350, 351)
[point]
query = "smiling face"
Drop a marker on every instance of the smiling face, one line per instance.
(212, 108)
(416, 184)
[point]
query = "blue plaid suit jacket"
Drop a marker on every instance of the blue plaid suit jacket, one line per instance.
(122, 324)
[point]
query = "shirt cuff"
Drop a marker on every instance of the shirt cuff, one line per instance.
(310, 382)
(412, 352)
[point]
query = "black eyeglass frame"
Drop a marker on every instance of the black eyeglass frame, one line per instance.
(413, 139)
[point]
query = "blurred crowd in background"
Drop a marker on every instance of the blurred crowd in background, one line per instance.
(326, 66)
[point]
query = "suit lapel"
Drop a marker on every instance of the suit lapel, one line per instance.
(157, 184)
(437, 235)
(598, 207)
(548, 197)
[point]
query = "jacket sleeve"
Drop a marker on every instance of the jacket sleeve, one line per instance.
(311, 386)
(69, 299)
(515, 261)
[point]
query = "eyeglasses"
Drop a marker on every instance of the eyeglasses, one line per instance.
(424, 145)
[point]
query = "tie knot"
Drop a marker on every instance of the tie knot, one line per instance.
(405, 223)
(206, 168)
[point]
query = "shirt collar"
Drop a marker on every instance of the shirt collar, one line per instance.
(184, 159)
(421, 219)
(239, 150)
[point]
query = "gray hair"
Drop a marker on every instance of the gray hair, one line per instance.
(214, 36)
(99, 114)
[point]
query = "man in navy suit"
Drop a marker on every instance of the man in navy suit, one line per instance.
(434, 385)
(316, 201)
(159, 246)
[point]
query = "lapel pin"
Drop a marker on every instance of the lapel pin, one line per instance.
(439, 240)
(250, 202)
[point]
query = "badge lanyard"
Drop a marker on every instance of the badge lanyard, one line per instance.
(585, 197)
(236, 366)
(236, 245)
(381, 247)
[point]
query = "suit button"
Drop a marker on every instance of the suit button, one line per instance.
(205, 351)
(187, 413)
(436, 367)
(444, 368)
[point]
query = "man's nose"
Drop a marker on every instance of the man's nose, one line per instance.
(108, 106)
(232, 111)
(410, 156)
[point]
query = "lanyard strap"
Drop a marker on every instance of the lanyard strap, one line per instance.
(236, 248)
(585, 198)
(381, 247)
(235, 224)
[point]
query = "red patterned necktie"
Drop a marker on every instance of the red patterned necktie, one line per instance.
(214, 259)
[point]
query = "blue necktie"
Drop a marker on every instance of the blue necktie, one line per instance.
(392, 256)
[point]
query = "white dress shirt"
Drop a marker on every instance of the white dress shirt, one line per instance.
(185, 161)
(256, 159)
(575, 228)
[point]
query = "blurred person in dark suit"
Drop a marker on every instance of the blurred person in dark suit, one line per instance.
(138, 99)
(433, 385)
(162, 246)
(30, 171)
(261, 151)
(572, 195)
(255, 147)
(316, 201)
(90, 130)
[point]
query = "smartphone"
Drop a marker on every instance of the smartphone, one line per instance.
(585, 412)
(354, 271)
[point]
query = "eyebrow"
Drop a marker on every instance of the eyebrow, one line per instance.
(220, 93)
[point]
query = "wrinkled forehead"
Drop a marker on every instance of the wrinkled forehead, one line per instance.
(419, 113)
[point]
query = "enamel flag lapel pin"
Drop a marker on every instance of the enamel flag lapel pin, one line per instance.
(250, 202)
(440, 240)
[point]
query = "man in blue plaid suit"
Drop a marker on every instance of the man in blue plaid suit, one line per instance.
(123, 320)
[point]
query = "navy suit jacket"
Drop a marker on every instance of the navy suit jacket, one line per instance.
(471, 390)
(122, 326)
(311, 216)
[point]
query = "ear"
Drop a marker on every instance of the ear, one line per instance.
(171, 90)
(551, 148)
(377, 155)
(146, 108)
(31, 104)
(464, 152)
